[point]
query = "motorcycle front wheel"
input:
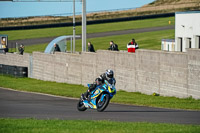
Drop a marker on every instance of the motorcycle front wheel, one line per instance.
(102, 104)
(81, 106)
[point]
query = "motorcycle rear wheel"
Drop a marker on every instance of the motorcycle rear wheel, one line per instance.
(81, 106)
(101, 105)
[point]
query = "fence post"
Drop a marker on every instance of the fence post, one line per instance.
(31, 66)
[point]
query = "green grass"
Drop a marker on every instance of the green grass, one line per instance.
(33, 85)
(37, 47)
(86, 126)
(32, 48)
(146, 40)
(70, 90)
(137, 98)
(51, 32)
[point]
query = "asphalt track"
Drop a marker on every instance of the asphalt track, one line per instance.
(26, 42)
(15, 104)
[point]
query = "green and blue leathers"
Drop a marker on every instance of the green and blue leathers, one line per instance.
(99, 97)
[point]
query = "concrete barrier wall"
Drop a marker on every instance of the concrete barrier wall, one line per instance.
(89, 68)
(16, 60)
(194, 73)
(125, 71)
(59, 67)
(173, 74)
(146, 71)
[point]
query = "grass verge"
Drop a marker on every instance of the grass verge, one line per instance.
(51, 32)
(146, 40)
(86, 126)
(70, 90)
(34, 85)
(37, 47)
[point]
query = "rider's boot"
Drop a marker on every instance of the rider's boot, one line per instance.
(83, 97)
(86, 95)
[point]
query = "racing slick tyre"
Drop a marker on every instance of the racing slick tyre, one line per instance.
(81, 106)
(101, 105)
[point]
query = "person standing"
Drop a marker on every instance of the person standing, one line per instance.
(56, 48)
(90, 47)
(113, 46)
(21, 49)
(131, 46)
(135, 43)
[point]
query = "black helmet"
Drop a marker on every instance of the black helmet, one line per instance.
(109, 74)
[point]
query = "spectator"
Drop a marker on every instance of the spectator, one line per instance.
(56, 48)
(132, 46)
(90, 47)
(21, 49)
(133, 42)
(113, 46)
(6, 49)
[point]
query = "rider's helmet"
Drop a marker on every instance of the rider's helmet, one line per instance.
(109, 74)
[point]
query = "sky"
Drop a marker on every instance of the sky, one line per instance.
(25, 9)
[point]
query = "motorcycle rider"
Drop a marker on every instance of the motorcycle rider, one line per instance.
(108, 75)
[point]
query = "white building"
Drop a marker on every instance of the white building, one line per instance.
(168, 44)
(187, 30)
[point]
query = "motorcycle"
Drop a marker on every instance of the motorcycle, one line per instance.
(99, 98)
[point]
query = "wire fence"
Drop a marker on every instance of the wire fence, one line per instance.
(98, 15)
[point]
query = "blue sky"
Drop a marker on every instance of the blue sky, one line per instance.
(23, 9)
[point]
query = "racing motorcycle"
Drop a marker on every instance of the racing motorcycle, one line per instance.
(99, 98)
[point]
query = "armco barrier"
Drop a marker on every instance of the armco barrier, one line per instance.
(146, 71)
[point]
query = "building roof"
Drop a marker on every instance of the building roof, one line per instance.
(168, 40)
(3, 35)
(187, 12)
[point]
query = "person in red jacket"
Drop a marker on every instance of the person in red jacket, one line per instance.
(132, 46)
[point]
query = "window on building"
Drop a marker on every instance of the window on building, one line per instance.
(180, 44)
(199, 41)
(188, 43)
(168, 47)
